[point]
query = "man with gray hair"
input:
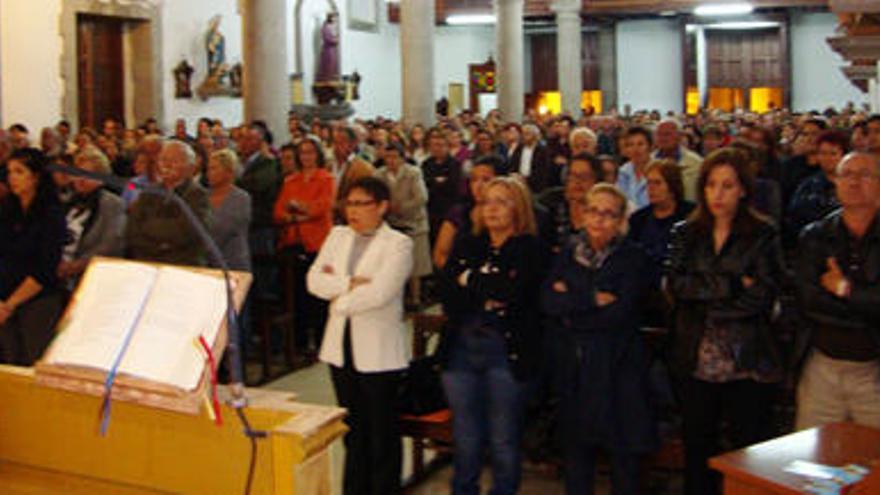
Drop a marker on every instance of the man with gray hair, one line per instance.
(157, 230)
(667, 144)
(532, 160)
(837, 276)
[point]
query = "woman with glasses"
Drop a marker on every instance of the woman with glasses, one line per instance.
(491, 282)
(594, 291)
(362, 269)
(723, 274)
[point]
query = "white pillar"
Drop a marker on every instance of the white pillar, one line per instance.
(874, 91)
(509, 66)
(265, 86)
(568, 54)
(702, 67)
(417, 64)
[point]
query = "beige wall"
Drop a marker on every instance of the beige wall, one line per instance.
(31, 51)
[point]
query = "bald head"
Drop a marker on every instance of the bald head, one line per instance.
(666, 136)
(858, 181)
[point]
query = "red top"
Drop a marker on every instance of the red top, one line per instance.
(317, 194)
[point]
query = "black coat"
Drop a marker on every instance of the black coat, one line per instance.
(707, 289)
(510, 275)
(543, 173)
(600, 359)
(825, 239)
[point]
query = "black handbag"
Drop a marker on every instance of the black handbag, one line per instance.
(421, 390)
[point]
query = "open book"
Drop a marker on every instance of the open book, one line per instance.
(161, 310)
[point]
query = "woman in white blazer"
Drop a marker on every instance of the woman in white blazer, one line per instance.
(362, 269)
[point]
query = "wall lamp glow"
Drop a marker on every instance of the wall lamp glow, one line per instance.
(738, 8)
(463, 20)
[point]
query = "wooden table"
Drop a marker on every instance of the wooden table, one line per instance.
(759, 469)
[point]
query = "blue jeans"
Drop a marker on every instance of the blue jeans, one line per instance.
(487, 408)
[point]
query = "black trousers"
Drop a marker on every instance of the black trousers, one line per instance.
(27, 333)
(745, 404)
(372, 445)
(311, 312)
(580, 469)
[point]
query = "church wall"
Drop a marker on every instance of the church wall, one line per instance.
(30, 51)
(649, 70)
(817, 81)
(454, 48)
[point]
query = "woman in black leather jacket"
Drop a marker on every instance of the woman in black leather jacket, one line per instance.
(723, 273)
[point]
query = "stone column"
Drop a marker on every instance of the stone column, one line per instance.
(510, 81)
(608, 67)
(568, 54)
(417, 62)
(265, 86)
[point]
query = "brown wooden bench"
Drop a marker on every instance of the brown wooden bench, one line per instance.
(432, 431)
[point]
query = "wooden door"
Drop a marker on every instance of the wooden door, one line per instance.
(99, 70)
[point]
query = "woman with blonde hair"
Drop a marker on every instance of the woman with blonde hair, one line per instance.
(491, 282)
(95, 218)
(230, 209)
(594, 292)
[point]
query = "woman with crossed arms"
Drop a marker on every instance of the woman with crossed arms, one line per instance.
(362, 269)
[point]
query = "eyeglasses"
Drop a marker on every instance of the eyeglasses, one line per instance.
(358, 204)
(582, 177)
(859, 176)
(603, 214)
(496, 202)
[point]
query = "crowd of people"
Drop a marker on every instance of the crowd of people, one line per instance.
(549, 242)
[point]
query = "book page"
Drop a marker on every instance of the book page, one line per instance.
(182, 305)
(107, 306)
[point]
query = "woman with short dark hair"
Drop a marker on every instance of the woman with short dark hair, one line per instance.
(723, 274)
(651, 225)
(361, 270)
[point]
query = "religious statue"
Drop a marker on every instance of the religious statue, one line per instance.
(235, 77)
(182, 74)
(215, 83)
(328, 62)
(215, 45)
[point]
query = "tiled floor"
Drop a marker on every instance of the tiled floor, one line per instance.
(313, 385)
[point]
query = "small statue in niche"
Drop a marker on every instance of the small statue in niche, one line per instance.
(215, 83)
(182, 76)
(328, 61)
(215, 46)
(356, 83)
(235, 77)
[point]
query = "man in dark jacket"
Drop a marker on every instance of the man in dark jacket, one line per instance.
(261, 179)
(838, 273)
(532, 160)
(443, 179)
(157, 229)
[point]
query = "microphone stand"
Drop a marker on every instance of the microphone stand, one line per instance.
(238, 400)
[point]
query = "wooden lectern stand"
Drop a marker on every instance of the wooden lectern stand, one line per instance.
(49, 443)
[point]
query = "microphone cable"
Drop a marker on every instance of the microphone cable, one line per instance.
(238, 400)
